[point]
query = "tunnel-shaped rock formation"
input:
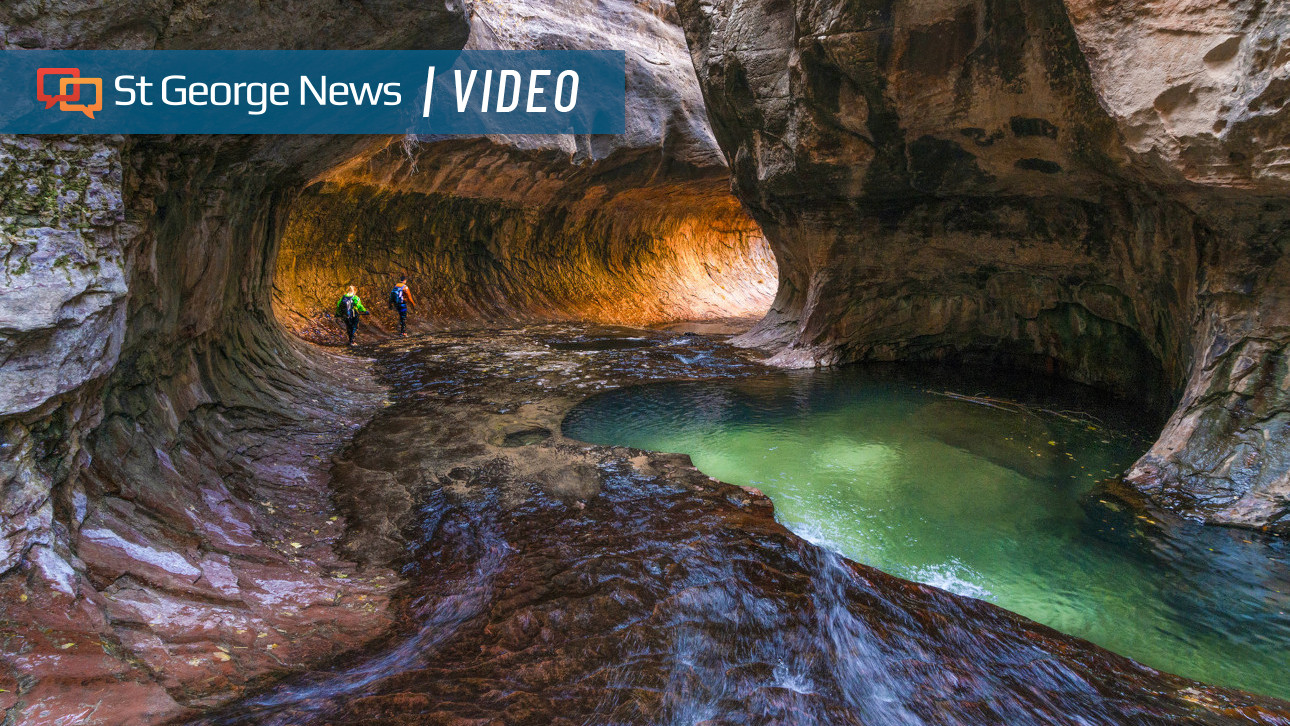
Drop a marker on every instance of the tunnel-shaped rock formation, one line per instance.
(1096, 188)
(639, 228)
(489, 234)
(932, 180)
(166, 439)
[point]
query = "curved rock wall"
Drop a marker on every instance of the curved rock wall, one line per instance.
(639, 257)
(1200, 93)
(163, 444)
(987, 180)
(637, 228)
(143, 553)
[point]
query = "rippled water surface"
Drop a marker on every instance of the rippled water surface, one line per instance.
(987, 499)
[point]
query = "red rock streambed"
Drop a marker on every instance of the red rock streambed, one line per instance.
(554, 582)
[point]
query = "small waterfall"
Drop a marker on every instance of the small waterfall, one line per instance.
(859, 665)
(736, 653)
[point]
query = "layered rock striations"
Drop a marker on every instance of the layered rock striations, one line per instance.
(680, 251)
(1092, 188)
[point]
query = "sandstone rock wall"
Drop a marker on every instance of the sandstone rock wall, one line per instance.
(681, 252)
(1198, 90)
(1199, 93)
(1015, 182)
(144, 558)
(634, 228)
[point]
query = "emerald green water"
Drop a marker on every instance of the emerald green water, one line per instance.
(985, 501)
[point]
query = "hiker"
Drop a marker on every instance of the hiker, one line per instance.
(350, 307)
(400, 299)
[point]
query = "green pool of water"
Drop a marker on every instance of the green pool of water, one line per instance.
(990, 501)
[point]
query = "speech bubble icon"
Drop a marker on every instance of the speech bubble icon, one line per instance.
(51, 100)
(87, 108)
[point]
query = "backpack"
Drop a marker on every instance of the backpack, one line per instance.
(396, 296)
(346, 307)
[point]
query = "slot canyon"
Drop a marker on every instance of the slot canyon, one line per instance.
(212, 511)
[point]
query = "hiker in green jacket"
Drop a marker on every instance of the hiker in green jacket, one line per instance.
(350, 307)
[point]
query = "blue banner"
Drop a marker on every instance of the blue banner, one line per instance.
(312, 92)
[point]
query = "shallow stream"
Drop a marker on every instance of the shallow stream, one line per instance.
(990, 497)
(546, 581)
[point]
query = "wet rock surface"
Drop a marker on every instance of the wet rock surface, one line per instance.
(192, 567)
(550, 581)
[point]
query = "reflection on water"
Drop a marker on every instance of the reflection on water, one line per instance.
(990, 501)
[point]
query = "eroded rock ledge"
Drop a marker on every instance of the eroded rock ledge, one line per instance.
(1096, 188)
